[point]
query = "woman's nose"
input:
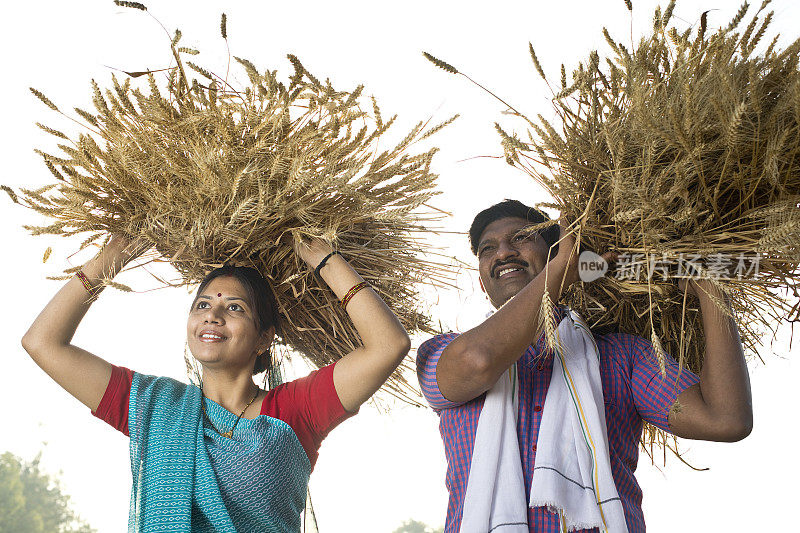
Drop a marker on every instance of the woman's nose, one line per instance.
(213, 315)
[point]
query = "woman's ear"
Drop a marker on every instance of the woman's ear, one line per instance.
(266, 340)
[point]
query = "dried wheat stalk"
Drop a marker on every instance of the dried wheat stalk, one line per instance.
(689, 143)
(209, 173)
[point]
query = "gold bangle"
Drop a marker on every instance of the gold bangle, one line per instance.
(352, 292)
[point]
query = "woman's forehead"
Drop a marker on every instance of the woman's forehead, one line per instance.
(225, 287)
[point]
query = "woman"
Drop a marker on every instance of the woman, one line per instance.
(226, 456)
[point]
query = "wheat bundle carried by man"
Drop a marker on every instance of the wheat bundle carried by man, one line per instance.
(680, 159)
(682, 155)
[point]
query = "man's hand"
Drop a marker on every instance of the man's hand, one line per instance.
(698, 288)
(566, 260)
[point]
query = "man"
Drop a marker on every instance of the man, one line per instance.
(456, 371)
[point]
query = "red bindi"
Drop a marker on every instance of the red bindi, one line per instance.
(219, 295)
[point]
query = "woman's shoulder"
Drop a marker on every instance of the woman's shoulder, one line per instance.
(297, 391)
(309, 405)
(157, 382)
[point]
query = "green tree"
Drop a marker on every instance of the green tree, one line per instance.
(415, 526)
(31, 500)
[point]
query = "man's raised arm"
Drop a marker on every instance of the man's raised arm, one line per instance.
(471, 364)
(720, 407)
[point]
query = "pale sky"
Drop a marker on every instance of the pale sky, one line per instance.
(379, 468)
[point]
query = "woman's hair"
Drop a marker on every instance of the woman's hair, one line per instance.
(265, 308)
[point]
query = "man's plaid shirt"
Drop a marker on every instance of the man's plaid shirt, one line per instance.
(633, 390)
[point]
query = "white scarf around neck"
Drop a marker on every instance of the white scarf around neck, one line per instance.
(572, 470)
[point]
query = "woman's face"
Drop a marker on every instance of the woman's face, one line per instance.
(221, 329)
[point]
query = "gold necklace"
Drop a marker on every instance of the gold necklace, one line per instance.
(228, 434)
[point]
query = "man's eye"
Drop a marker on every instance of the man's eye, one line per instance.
(485, 249)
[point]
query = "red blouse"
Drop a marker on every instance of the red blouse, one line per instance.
(310, 405)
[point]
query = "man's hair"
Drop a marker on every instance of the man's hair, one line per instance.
(515, 209)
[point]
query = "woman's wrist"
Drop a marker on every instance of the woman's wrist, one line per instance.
(312, 252)
(107, 263)
(93, 274)
(324, 261)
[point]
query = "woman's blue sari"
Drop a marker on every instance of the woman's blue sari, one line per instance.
(187, 477)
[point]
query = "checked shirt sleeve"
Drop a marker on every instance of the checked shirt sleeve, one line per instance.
(427, 359)
(653, 394)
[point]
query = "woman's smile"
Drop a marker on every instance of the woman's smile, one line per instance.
(211, 336)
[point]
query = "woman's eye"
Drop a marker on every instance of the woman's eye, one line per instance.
(235, 307)
(202, 305)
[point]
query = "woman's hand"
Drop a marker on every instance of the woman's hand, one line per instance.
(120, 251)
(312, 251)
(385, 343)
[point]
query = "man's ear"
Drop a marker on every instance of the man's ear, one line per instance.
(480, 281)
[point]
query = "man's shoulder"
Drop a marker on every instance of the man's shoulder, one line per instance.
(437, 343)
(618, 339)
(622, 348)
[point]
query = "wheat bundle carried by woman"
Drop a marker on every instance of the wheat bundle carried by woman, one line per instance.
(210, 173)
(682, 154)
(275, 198)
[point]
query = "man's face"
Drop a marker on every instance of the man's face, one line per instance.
(507, 259)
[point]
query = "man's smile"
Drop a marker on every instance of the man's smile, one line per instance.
(510, 269)
(508, 272)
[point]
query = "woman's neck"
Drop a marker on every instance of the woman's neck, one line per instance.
(231, 391)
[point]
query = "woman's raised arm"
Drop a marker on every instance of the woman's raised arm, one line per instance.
(49, 339)
(359, 374)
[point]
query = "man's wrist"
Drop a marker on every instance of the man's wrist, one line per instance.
(557, 267)
(560, 276)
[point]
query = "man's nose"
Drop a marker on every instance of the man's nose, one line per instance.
(505, 250)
